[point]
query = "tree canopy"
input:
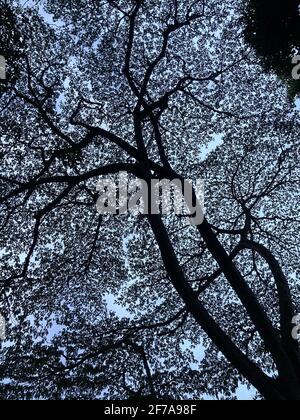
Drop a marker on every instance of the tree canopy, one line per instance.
(137, 307)
(11, 42)
(272, 28)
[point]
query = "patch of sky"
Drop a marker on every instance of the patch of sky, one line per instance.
(216, 141)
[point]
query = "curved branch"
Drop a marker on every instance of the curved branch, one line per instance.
(286, 306)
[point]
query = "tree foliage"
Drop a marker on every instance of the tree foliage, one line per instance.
(272, 28)
(12, 42)
(137, 307)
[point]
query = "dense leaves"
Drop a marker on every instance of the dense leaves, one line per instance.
(130, 307)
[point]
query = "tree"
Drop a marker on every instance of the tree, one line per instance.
(144, 87)
(272, 28)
